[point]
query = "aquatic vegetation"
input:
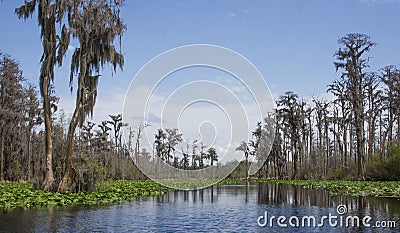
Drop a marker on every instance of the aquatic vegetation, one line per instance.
(232, 181)
(199, 183)
(187, 184)
(13, 195)
(344, 187)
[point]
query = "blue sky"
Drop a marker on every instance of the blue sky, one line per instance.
(292, 43)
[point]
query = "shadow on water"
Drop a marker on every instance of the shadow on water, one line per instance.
(294, 195)
(232, 208)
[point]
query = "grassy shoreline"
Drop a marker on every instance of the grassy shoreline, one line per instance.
(22, 195)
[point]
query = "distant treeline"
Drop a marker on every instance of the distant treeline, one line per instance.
(354, 136)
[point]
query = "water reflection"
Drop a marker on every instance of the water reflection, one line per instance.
(277, 197)
(294, 195)
(232, 208)
(287, 195)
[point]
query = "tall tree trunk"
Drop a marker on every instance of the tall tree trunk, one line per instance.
(49, 177)
(247, 164)
(295, 158)
(351, 139)
(1, 156)
(304, 150)
(381, 142)
(390, 122)
(398, 129)
(371, 136)
(344, 144)
(310, 149)
(359, 152)
(327, 145)
(359, 125)
(66, 184)
(29, 159)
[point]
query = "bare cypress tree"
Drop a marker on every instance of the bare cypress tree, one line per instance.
(288, 109)
(374, 100)
(321, 111)
(352, 63)
(116, 123)
(96, 25)
(33, 112)
(140, 128)
(339, 89)
(390, 76)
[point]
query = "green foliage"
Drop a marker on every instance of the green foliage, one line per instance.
(187, 184)
(343, 173)
(231, 181)
(385, 169)
(88, 171)
(13, 195)
(344, 187)
(239, 171)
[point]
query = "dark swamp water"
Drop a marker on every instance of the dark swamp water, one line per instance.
(223, 208)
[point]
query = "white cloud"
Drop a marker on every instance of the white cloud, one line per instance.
(377, 2)
(153, 118)
(239, 13)
(109, 103)
(232, 14)
(203, 120)
(66, 103)
(216, 113)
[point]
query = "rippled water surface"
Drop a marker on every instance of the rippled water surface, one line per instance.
(224, 208)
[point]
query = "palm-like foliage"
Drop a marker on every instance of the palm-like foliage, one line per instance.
(246, 150)
(160, 144)
(212, 155)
